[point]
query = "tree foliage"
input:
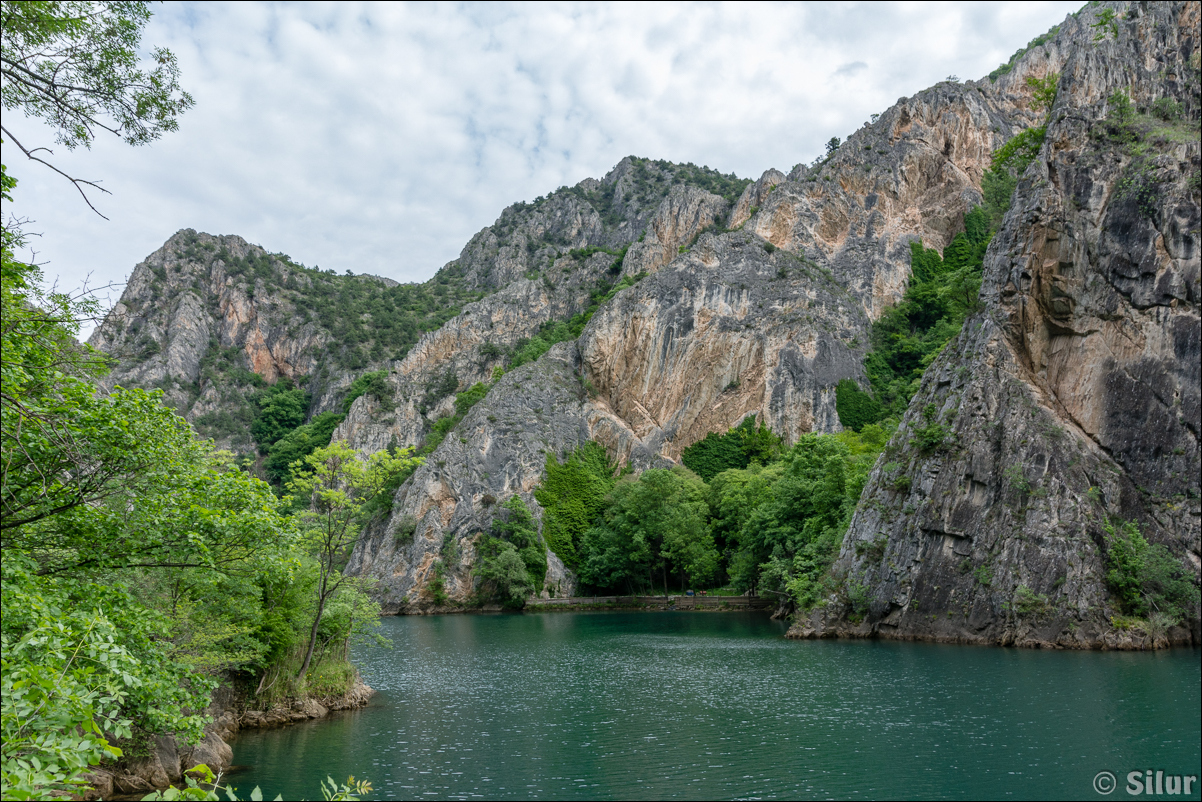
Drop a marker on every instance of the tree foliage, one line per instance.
(338, 484)
(774, 525)
(738, 448)
(855, 407)
(512, 559)
(944, 290)
(138, 563)
(649, 526)
(1145, 578)
(572, 494)
(282, 407)
(75, 66)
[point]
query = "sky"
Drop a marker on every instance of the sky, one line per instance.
(378, 138)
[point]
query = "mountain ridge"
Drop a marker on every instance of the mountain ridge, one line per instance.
(699, 300)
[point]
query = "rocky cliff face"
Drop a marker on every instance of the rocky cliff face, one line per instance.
(1072, 397)
(543, 260)
(725, 331)
(760, 310)
(198, 323)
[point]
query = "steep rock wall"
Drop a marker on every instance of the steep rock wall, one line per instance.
(760, 311)
(1071, 399)
(183, 302)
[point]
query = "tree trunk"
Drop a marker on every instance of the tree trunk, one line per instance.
(321, 606)
(312, 639)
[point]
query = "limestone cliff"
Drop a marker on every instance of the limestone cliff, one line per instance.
(546, 260)
(207, 319)
(725, 331)
(1072, 397)
(760, 310)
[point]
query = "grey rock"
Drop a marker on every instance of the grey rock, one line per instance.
(1069, 400)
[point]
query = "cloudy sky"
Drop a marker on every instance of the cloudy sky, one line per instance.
(379, 138)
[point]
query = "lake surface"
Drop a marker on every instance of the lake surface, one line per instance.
(721, 706)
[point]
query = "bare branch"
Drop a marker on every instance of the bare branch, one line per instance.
(79, 183)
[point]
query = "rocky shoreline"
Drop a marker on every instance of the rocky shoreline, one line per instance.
(1088, 636)
(167, 760)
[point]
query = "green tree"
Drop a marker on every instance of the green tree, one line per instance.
(373, 384)
(1106, 25)
(1043, 90)
(572, 495)
(1146, 578)
(298, 444)
(738, 448)
(648, 524)
(82, 663)
(855, 407)
(512, 557)
(282, 408)
(338, 483)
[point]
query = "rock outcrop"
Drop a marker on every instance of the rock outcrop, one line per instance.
(760, 310)
(164, 760)
(725, 331)
(1072, 398)
(203, 316)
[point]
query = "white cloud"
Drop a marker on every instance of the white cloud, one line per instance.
(379, 138)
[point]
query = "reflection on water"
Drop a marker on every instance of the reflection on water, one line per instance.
(697, 705)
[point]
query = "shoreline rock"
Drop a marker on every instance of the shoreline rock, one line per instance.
(167, 760)
(1087, 636)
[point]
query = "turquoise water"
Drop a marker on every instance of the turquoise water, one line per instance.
(720, 705)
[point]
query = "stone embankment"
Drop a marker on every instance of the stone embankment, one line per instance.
(163, 761)
(717, 603)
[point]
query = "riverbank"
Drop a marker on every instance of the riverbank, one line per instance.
(674, 603)
(163, 761)
(584, 603)
(1090, 635)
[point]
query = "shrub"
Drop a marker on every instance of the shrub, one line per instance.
(873, 550)
(1020, 151)
(489, 351)
(1029, 604)
(931, 438)
(438, 388)
(855, 407)
(1121, 113)
(1167, 109)
(857, 598)
(1146, 578)
(405, 529)
(374, 384)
